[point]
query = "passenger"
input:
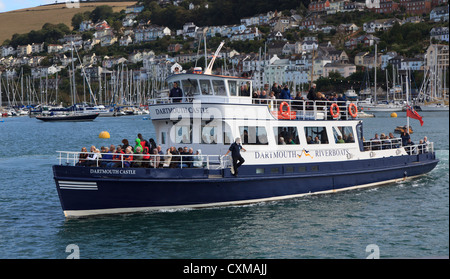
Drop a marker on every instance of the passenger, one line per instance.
(290, 140)
(198, 159)
(138, 144)
(350, 138)
(145, 158)
(298, 103)
(340, 140)
(175, 93)
(128, 157)
(312, 95)
(281, 141)
(235, 150)
(285, 93)
(82, 157)
(154, 159)
(92, 157)
(317, 140)
(107, 157)
(309, 140)
(376, 143)
(125, 144)
(272, 95)
(276, 90)
(159, 150)
(426, 144)
(152, 144)
(421, 147)
(408, 146)
(167, 158)
(117, 158)
(137, 157)
(405, 137)
(144, 143)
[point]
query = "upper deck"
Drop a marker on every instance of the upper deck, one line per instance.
(213, 88)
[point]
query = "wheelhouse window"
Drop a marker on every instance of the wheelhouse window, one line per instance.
(190, 87)
(205, 87)
(256, 135)
(244, 88)
(343, 134)
(183, 134)
(286, 135)
(219, 88)
(232, 85)
(209, 134)
(316, 135)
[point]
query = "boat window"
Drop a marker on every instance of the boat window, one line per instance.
(286, 135)
(232, 84)
(183, 134)
(227, 134)
(316, 135)
(244, 88)
(163, 137)
(190, 87)
(253, 135)
(219, 88)
(205, 86)
(343, 134)
(209, 134)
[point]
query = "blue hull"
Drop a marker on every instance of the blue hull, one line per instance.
(86, 191)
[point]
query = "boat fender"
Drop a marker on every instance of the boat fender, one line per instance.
(353, 110)
(332, 111)
(286, 113)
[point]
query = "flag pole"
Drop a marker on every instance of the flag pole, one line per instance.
(407, 100)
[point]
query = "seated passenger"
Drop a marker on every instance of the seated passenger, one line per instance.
(128, 157)
(106, 158)
(117, 158)
(198, 159)
(317, 140)
(154, 159)
(340, 140)
(167, 159)
(137, 157)
(93, 157)
(82, 157)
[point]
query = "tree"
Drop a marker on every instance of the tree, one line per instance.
(101, 13)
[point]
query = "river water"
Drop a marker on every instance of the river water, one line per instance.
(402, 220)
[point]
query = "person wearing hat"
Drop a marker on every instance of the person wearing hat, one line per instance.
(235, 150)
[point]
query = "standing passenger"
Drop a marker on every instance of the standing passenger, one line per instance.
(235, 150)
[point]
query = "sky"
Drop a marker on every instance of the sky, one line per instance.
(10, 5)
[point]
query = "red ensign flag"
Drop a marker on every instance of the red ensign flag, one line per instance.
(410, 112)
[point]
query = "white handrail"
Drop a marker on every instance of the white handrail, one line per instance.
(207, 161)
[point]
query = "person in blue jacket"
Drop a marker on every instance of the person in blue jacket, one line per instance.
(285, 93)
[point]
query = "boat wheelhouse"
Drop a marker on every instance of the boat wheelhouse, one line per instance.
(293, 148)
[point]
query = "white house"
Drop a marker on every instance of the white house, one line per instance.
(7, 51)
(413, 64)
(439, 33)
(439, 14)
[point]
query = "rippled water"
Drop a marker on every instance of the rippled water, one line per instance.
(405, 220)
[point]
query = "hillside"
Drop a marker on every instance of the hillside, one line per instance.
(13, 22)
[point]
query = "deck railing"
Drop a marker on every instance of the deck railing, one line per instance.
(396, 143)
(300, 109)
(71, 158)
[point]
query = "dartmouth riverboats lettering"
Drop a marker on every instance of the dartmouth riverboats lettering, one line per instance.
(194, 109)
(113, 171)
(275, 154)
(331, 152)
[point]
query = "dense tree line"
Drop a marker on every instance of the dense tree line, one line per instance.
(50, 33)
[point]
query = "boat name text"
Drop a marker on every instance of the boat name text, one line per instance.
(112, 171)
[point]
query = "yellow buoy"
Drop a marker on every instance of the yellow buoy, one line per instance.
(104, 135)
(394, 115)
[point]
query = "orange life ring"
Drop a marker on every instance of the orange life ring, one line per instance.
(333, 114)
(353, 110)
(285, 113)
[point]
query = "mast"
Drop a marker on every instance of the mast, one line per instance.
(375, 75)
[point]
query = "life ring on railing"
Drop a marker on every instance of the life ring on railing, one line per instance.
(332, 111)
(285, 113)
(353, 110)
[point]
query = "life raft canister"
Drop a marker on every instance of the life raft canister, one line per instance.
(334, 114)
(353, 110)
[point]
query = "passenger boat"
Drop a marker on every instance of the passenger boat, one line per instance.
(282, 160)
